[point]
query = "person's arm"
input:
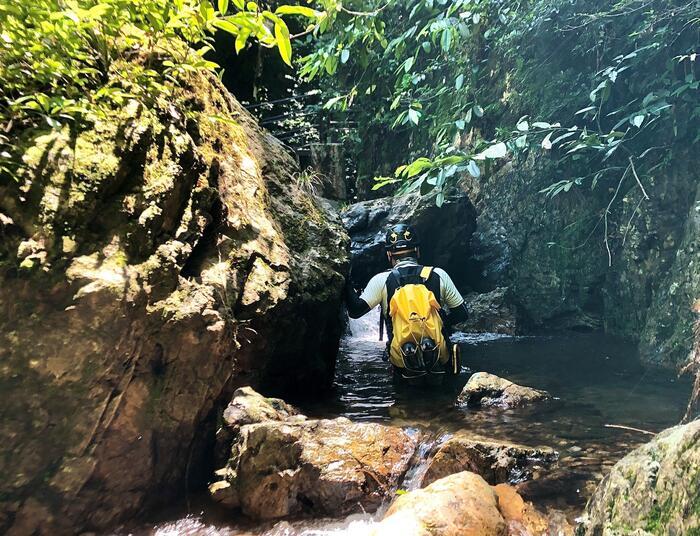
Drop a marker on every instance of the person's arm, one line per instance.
(357, 307)
(368, 300)
(452, 301)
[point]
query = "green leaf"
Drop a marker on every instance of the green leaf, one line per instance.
(331, 64)
(241, 40)
(223, 6)
(283, 42)
(414, 116)
(459, 81)
(460, 124)
(521, 141)
(584, 110)
(344, 56)
(499, 150)
(478, 110)
(546, 142)
(637, 120)
(226, 26)
(440, 199)
(298, 10)
(446, 39)
(541, 124)
(473, 169)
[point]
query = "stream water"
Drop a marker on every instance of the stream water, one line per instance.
(596, 381)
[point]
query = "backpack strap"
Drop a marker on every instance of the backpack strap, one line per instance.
(425, 272)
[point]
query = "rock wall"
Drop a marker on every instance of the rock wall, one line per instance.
(445, 234)
(552, 255)
(148, 266)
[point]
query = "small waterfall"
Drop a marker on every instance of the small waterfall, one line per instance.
(421, 459)
(365, 328)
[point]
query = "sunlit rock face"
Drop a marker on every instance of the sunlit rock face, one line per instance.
(282, 464)
(148, 266)
(314, 467)
(463, 504)
(655, 488)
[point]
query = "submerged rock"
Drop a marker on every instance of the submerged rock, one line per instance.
(495, 461)
(148, 265)
(653, 490)
(320, 467)
(524, 519)
(484, 389)
(464, 504)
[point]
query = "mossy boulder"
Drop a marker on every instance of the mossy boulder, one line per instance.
(148, 266)
(653, 490)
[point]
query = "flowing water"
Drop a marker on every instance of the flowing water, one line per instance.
(596, 381)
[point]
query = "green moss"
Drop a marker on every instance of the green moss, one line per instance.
(658, 517)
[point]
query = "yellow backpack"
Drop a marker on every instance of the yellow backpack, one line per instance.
(417, 343)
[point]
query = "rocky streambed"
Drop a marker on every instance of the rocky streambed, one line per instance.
(374, 457)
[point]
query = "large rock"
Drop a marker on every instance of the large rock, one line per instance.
(148, 265)
(492, 312)
(320, 467)
(495, 461)
(653, 490)
(445, 233)
(463, 504)
(484, 389)
(552, 254)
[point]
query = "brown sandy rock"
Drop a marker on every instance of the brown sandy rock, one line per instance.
(320, 467)
(495, 461)
(462, 504)
(484, 389)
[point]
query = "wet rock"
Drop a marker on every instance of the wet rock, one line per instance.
(462, 504)
(484, 389)
(248, 407)
(168, 259)
(445, 231)
(320, 467)
(495, 461)
(491, 312)
(653, 490)
(524, 519)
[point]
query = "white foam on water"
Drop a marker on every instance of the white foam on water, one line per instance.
(365, 328)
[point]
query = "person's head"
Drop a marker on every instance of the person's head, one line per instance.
(401, 242)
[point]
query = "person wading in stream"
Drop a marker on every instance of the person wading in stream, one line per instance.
(418, 305)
